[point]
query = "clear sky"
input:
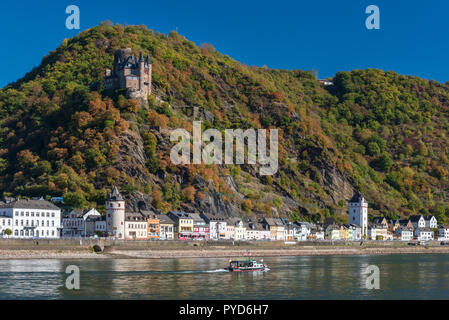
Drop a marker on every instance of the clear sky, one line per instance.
(326, 35)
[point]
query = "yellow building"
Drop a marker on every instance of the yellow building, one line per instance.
(183, 225)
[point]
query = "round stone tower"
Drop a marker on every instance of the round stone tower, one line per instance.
(115, 214)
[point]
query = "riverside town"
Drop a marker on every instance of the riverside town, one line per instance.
(42, 219)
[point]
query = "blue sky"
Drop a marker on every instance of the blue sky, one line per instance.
(325, 35)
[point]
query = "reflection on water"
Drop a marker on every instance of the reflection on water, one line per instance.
(326, 277)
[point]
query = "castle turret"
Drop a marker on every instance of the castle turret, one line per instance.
(115, 214)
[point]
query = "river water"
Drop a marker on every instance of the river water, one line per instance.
(411, 276)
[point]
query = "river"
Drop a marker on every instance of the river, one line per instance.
(413, 276)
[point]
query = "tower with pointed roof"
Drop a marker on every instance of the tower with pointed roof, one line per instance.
(115, 214)
(130, 73)
(358, 213)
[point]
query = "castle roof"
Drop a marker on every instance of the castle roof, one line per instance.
(357, 197)
(115, 195)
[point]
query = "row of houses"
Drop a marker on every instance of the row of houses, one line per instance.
(146, 225)
(37, 218)
(418, 227)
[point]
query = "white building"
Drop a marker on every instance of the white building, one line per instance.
(378, 232)
(240, 231)
(358, 213)
(115, 214)
(423, 234)
(5, 224)
(443, 233)
(317, 234)
(431, 222)
(230, 230)
(303, 231)
(136, 226)
(403, 234)
(30, 219)
(333, 232)
(100, 225)
(256, 231)
(217, 226)
(82, 223)
(418, 222)
(166, 227)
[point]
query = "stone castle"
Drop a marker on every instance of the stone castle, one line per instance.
(130, 73)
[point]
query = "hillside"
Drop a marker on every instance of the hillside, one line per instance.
(379, 132)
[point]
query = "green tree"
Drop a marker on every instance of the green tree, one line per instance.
(373, 148)
(74, 199)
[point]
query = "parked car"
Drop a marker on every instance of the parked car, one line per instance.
(444, 243)
(413, 243)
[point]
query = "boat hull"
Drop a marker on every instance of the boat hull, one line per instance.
(247, 269)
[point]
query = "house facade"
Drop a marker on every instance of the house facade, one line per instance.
(230, 229)
(333, 232)
(276, 227)
(403, 234)
(136, 226)
(431, 222)
(217, 226)
(378, 232)
(183, 225)
(423, 234)
(153, 227)
(240, 231)
(166, 227)
(80, 223)
(31, 219)
(418, 222)
(200, 228)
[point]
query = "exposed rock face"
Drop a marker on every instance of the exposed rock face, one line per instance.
(340, 186)
(132, 160)
(132, 156)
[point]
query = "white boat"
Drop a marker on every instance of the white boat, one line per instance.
(246, 264)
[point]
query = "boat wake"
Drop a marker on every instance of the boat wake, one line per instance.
(217, 270)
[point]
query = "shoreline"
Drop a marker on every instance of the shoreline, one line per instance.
(68, 254)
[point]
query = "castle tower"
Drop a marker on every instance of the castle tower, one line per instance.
(358, 213)
(149, 74)
(142, 74)
(115, 214)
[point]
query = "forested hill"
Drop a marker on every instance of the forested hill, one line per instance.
(378, 132)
